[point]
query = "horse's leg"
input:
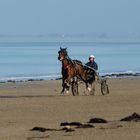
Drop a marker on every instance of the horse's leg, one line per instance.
(87, 86)
(91, 89)
(63, 86)
(88, 89)
(67, 86)
(68, 83)
(84, 79)
(69, 79)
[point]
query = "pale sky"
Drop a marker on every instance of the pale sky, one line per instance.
(42, 17)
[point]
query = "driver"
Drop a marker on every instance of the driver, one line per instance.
(92, 62)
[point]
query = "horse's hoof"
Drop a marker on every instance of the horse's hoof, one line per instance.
(89, 89)
(67, 91)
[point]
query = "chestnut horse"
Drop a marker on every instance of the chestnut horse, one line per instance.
(73, 68)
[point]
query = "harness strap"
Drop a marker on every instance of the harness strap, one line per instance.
(66, 67)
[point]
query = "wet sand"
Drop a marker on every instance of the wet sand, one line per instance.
(25, 105)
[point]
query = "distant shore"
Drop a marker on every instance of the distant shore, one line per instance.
(62, 39)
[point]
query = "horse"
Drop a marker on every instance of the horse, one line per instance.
(74, 68)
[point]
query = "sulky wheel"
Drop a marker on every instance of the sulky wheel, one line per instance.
(74, 87)
(104, 87)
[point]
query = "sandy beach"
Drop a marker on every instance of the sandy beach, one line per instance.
(25, 105)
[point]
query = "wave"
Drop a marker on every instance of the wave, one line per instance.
(29, 78)
(121, 74)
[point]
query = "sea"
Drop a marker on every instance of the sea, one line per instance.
(23, 61)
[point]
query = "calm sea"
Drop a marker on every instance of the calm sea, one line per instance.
(24, 61)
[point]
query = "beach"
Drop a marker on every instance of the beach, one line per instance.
(26, 105)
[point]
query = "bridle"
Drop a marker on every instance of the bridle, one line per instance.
(62, 54)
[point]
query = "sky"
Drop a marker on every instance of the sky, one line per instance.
(41, 17)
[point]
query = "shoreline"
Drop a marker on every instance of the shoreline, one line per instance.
(106, 76)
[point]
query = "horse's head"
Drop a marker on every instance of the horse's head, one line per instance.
(62, 54)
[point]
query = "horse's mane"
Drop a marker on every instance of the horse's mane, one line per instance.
(78, 61)
(75, 61)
